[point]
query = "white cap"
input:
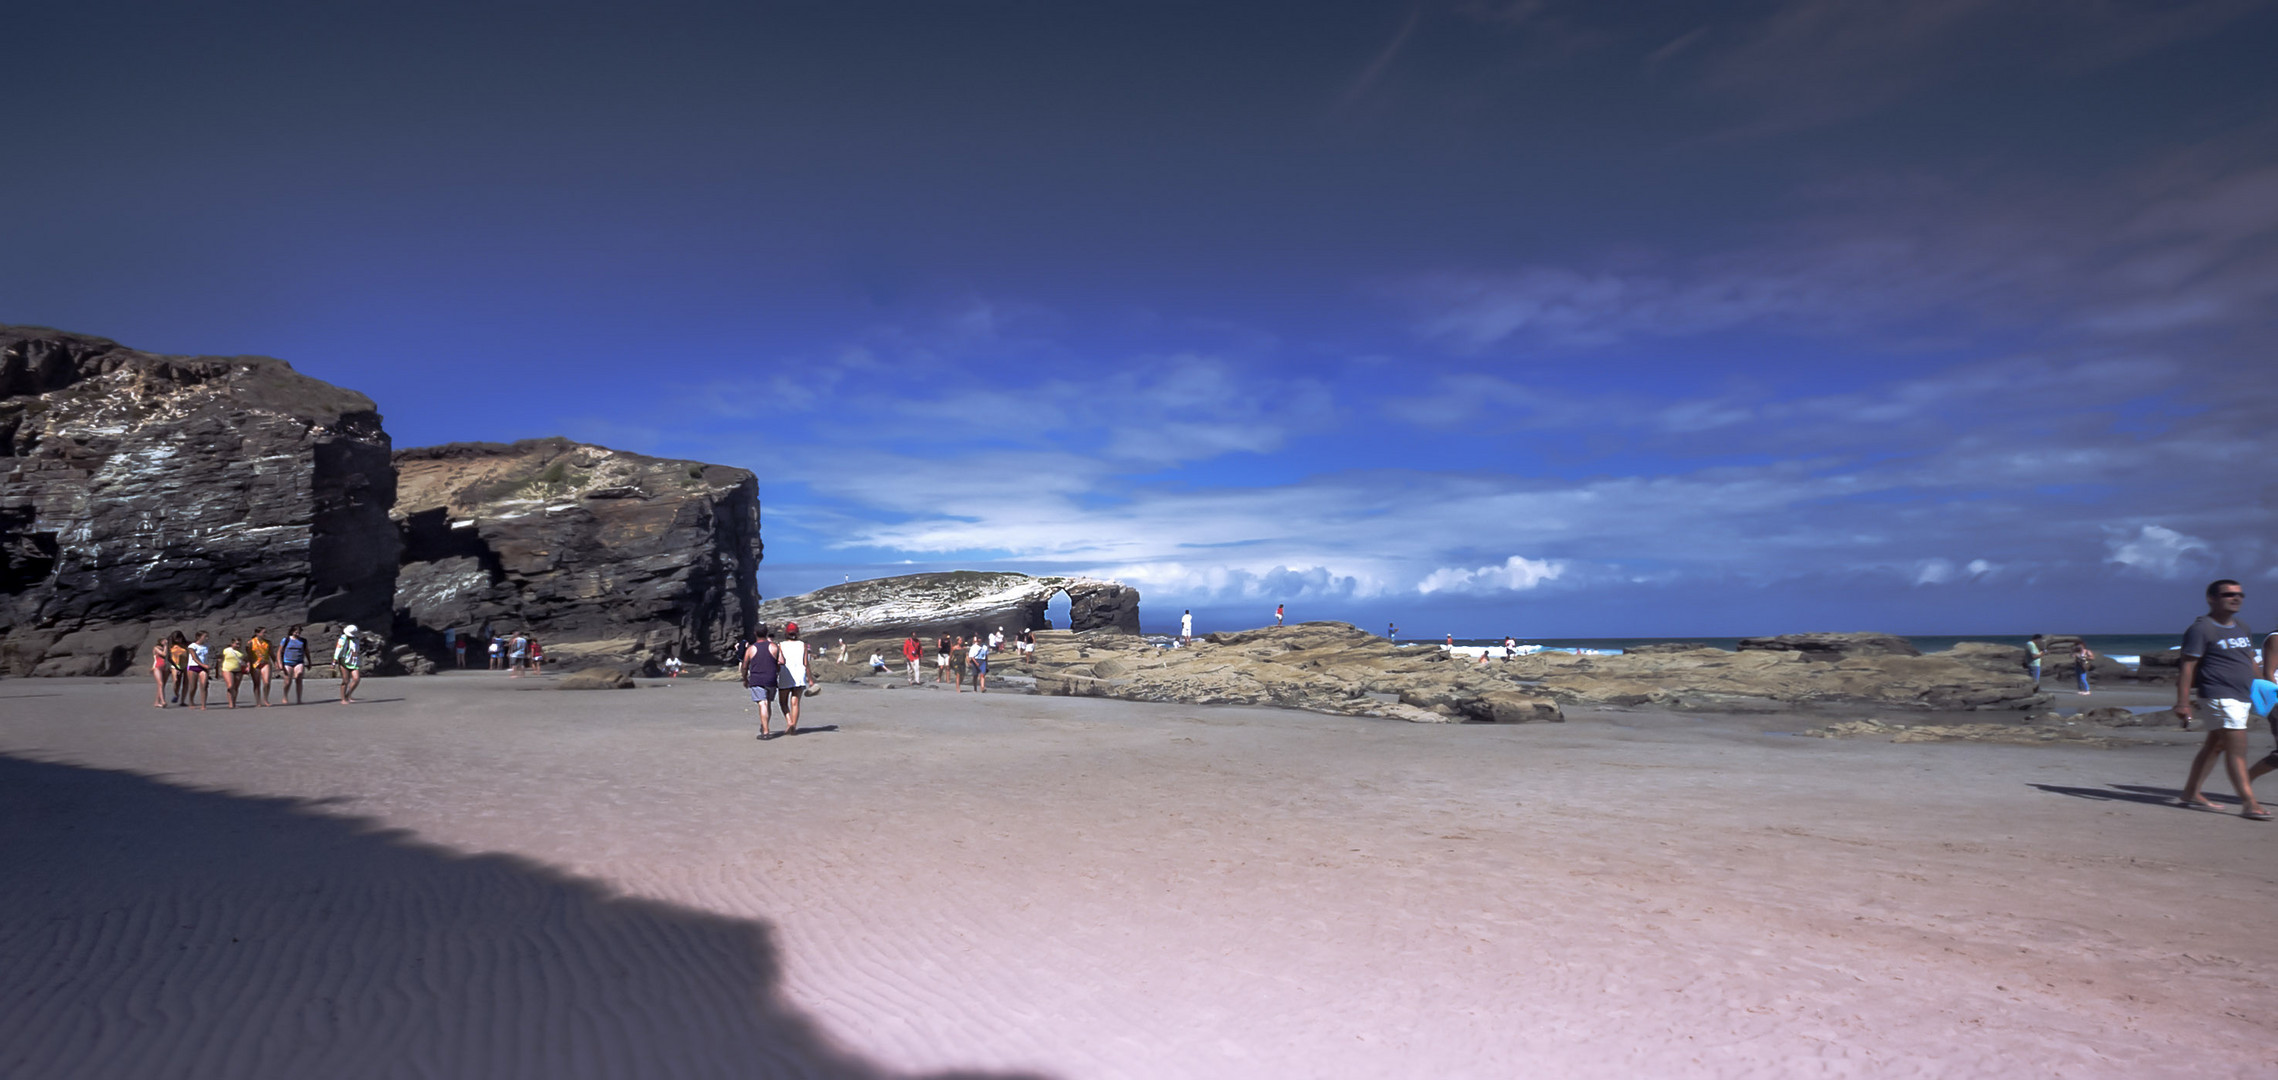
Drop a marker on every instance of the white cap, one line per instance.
(350, 630)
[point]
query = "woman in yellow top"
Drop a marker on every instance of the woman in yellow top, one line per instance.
(232, 668)
(257, 661)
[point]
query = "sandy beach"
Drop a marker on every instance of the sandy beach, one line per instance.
(474, 876)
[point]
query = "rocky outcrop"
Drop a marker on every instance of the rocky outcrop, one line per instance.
(2056, 660)
(628, 557)
(959, 602)
(1770, 679)
(1320, 666)
(1832, 646)
(147, 493)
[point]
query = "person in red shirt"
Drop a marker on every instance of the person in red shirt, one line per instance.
(911, 650)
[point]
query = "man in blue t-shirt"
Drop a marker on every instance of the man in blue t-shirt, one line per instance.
(2218, 669)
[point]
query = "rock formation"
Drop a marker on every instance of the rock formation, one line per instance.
(147, 493)
(959, 602)
(1770, 679)
(605, 555)
(1321, 666)
(1832, 646)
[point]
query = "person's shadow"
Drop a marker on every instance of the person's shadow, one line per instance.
(2135, 793)
(152, 929)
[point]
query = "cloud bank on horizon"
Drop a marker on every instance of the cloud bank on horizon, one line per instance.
(1529, 317)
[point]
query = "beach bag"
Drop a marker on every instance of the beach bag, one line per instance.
(2265, 696)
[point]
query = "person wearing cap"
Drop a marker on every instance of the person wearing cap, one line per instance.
(2218, 674)
(792, 682)
(348, 659)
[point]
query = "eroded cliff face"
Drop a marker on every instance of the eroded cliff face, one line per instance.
(603, 554)
(958, 602)
(145, 493)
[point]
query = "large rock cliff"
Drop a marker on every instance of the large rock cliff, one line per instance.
(613, 555)
(958, 602)
(147, 493)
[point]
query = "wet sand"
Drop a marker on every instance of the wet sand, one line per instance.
(472, 876)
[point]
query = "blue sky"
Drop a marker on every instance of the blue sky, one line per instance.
(1553, 319)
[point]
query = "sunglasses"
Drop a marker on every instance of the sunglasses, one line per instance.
(2229, 595)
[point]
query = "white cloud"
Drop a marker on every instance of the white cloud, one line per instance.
(2157, 550)
(1516, 574)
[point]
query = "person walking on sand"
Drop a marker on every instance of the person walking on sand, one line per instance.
(161, 670)
(232, 668)
(980, 653)
(537, 656)
(941, 657)
(2033, 653)
(2082, 660)
(2269, 761)
(960, 647)
(912, 650)
(517, 654)
(497, 652)
(1277, 609)
(791, 653)
(348, 660)
(200, 675)
(292, 665)
(2218, 669)
(259, 655)
(762, 664)
(178, 656)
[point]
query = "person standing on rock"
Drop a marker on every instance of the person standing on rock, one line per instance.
(348, 660)
(1027, 645)
(292, 661)
(791, 680)
(2082, 660)
(761, 665)
(1186, 626)
(912, 650)
(2033, 653)
(1277, 611)
(2218, 669)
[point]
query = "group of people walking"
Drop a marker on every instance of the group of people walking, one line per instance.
(184, 670)
(776, 673)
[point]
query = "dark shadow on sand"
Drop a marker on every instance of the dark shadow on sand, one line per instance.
(153, 929)
(2135, 793)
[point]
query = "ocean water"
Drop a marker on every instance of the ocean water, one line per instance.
(2122, 647)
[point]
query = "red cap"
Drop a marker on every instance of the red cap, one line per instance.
(790, 628)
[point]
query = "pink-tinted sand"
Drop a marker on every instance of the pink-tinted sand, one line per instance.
(469, 876)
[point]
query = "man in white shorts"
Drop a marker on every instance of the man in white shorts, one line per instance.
(2218, 669)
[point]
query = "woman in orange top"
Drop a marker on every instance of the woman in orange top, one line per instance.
(178, 654)
(257, 661)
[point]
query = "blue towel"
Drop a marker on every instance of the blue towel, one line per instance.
(2265, 696)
